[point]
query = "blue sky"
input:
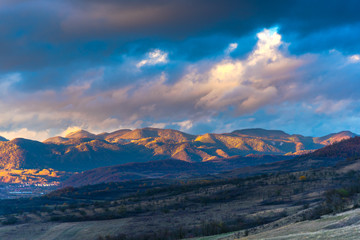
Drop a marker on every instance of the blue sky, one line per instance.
(197, 66)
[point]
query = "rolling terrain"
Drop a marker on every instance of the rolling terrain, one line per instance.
(176, 209)
(238, 197)
(81, 150)
(167, 169)
(155, 153)
(338, 154)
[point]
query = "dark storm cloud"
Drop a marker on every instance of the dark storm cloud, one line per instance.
(183, 18)
(171, 19)
(40, 33)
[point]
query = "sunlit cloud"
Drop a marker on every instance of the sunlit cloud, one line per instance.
(153, 58)
(215, 94)
(26, 133)
(184, 125)
(231, 48)
(354, 58)
(267, 46)
(70, 130)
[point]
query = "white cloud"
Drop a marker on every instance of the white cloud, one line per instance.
(354, 58)
(7, 80)
(184, 125)
(267, 47)
(26, 133)
(70, 130)
(329, 106)
(154, 57)
(158, 125)
(231, 48)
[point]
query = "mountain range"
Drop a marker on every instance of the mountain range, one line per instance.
(82, 150)
(344, 154)
(129, 174)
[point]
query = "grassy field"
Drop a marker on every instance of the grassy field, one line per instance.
(71, 230)
(154, 209)
(340, 226)
(344, 225)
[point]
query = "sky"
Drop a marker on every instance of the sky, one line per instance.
(196, 66)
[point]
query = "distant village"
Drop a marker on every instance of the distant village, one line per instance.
(11, 191)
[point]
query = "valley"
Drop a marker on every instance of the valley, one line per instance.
(82, 183)
(173, 209)
(181, 119)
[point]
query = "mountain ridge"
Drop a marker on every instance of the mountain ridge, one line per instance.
(82, 150)
(344, 155)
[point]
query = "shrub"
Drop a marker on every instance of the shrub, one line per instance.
(10, 220)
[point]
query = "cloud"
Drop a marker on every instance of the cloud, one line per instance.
(25, 133)
(62, 34)
(184, 125)
(329, 106)
(76, 63)
(70, 130)
(354, 58)
(7, 80)
(153, 58)
(205, 89)
(231, 48)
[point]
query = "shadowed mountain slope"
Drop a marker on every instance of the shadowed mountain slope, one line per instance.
(70, 155)
(345, 155)
(259, 132)
(329, 156)
(168, 168)
(2, 139)
(24, 153)
(347, 148)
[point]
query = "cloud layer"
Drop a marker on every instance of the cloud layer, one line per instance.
(195, 66)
